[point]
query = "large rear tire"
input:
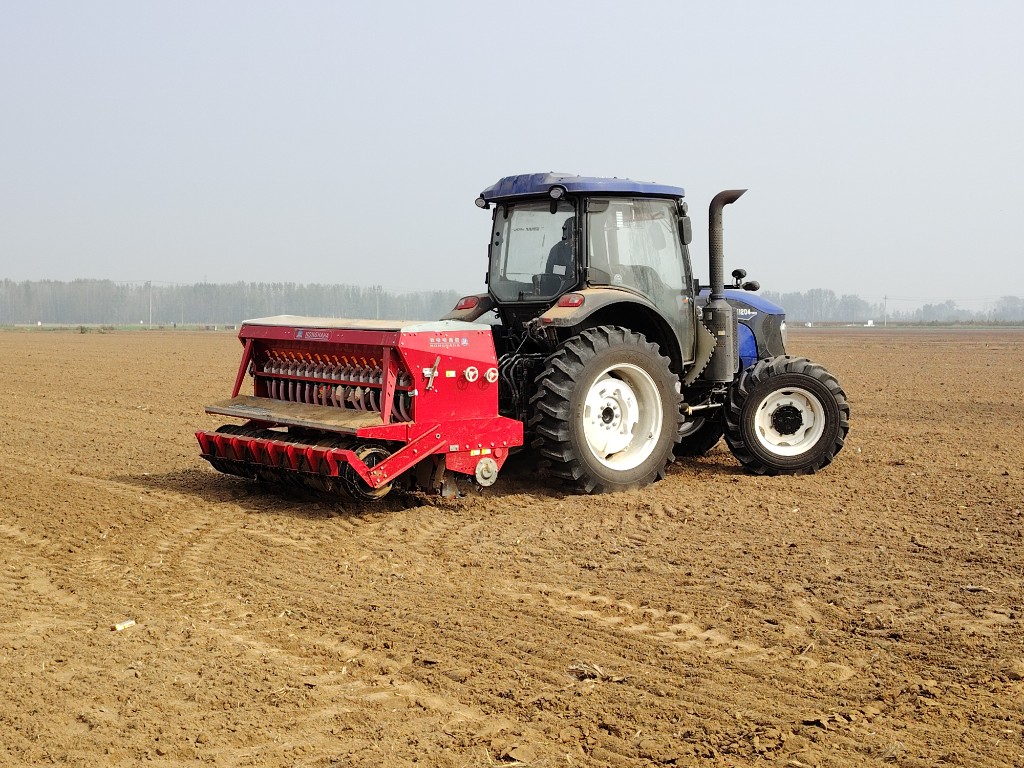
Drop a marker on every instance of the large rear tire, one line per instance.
(786, 416)
(606, 411)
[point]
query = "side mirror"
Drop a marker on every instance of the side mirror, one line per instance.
(737, 278)
(685, 229)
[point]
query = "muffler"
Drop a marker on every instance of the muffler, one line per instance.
(719, 317)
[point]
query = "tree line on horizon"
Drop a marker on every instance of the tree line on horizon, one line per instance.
(106, 302)
(822, 305)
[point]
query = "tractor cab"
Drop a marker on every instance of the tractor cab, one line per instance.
(540, 250)
(567, 251)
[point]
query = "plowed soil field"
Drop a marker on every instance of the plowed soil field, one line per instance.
(872, 614)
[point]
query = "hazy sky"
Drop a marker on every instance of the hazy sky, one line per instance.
(345, 142)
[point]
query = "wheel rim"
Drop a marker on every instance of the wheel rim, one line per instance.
(622, 417)
(691, 426)
(789, 422)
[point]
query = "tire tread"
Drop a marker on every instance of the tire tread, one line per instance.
(757, 375)
(550, 406)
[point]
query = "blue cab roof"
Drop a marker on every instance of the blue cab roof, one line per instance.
(528, 184)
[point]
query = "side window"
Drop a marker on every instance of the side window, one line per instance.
(637, 243)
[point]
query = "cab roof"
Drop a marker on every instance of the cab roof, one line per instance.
(529, 184)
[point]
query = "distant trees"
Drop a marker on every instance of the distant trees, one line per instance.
(104, 302)
(821, 305)
(1008, 309)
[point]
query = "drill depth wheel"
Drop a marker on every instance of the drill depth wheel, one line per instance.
(354, 485)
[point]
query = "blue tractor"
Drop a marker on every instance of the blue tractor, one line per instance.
(613, 355)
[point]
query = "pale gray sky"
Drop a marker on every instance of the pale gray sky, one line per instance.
(345, 142)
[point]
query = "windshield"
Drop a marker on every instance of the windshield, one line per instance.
(533, 251)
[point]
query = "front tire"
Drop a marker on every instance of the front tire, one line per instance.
(786, 416)
(606, 411)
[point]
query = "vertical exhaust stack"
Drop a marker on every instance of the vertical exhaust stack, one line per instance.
(718, 313)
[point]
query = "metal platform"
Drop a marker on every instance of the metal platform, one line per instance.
(296, 414)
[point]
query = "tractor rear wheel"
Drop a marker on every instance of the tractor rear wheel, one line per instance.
(786, 416)
(606, 411)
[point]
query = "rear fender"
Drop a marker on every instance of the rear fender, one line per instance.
(612, 306)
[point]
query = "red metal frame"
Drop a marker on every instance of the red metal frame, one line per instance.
(242, 367)
(454, 404)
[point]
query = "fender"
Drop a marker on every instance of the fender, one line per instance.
(617, 306)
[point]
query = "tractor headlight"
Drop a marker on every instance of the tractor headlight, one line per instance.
(556, 192)
(785, 334)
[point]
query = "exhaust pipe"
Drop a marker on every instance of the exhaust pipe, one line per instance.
(718, 313)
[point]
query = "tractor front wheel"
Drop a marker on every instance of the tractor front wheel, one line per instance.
(786, 416)
(606, 411)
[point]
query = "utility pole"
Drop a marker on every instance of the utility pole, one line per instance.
(150, 284)
(885, 311)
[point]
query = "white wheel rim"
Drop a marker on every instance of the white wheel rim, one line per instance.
(691, 426)
(622, 417)
(782, 408)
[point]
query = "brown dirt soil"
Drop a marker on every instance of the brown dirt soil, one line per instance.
(867, 615)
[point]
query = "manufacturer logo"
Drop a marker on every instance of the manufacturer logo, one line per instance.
(309, 335)
(448, 342)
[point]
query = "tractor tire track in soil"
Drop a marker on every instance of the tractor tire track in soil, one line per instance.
(867, 615)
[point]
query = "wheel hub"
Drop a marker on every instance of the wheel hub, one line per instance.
(622, 416)
(788, 422)
(787, 419)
